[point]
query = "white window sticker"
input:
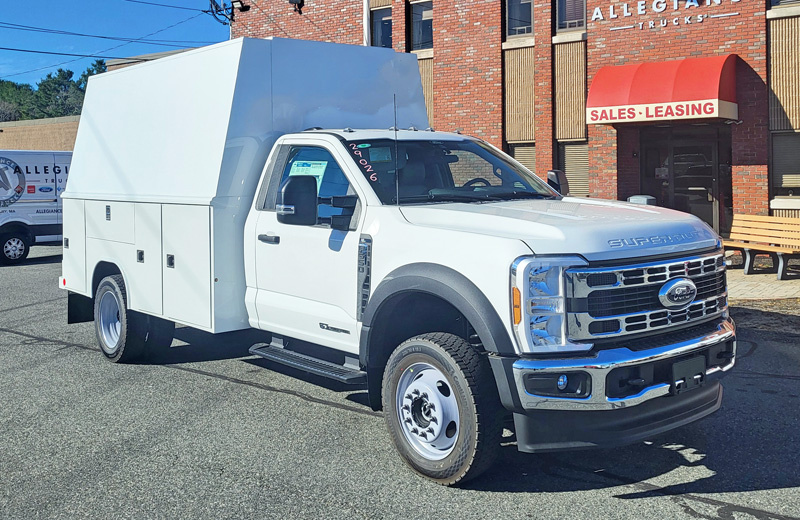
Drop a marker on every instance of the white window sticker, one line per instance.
(380, 154)
(314, 168)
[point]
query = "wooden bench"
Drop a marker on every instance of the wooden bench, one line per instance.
(778, 237)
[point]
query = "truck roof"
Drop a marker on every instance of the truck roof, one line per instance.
(360, 134)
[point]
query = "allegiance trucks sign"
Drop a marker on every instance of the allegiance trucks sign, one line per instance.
(662, 14)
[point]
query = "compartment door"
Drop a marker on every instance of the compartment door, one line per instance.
(186, 264)
(145, 289)
(73, 265)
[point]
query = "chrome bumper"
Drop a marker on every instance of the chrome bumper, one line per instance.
(599, 367)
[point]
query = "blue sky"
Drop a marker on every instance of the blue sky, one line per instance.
(116, 18)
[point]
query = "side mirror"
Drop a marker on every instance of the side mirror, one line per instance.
(297, 201)
(557, 180)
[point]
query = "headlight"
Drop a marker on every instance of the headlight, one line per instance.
(539, 306)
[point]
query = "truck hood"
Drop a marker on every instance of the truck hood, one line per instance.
(596, 229)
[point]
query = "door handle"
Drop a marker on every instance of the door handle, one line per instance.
(270, 239)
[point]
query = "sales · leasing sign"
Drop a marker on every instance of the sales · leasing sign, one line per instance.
(663, 14)
(689, 88)
(669, 111)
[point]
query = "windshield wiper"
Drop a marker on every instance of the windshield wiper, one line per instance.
(475, 196)
(446, 197)
(521, 195)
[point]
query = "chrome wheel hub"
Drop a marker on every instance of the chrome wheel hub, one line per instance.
(428, 411)
(108, 321)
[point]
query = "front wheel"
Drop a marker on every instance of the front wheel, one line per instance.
(441, 407)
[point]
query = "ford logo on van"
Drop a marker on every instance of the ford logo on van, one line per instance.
(45, 189)
(677, 294)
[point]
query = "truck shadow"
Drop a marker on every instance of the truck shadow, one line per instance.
(750, 444)
(192, 346)
(328, 384)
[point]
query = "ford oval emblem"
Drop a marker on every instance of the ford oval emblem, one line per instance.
(677, 294)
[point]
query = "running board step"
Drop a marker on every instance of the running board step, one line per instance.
(312, 365)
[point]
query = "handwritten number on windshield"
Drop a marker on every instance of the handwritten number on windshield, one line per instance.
(365, 165)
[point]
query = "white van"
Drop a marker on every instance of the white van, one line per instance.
(31, 183)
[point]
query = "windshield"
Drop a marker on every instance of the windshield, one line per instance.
(414, 172)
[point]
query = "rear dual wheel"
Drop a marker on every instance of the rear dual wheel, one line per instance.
(441, 407)
(125, 335)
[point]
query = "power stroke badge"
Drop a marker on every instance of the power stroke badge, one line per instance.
(12, 182)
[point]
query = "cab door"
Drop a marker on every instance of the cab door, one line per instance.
(306, 276)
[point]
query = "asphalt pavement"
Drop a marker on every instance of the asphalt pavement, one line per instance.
(204, 430)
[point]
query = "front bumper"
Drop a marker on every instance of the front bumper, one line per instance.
(609, 411)
(608, 369)
(550, 430)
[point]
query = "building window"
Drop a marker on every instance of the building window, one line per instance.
(571, 14)
(421, 26)
(573, 160)
(786, 163)
(382, 27)
(784, 2)
(518, 17)
(525, 153)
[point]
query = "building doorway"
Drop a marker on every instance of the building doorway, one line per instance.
(688, 168)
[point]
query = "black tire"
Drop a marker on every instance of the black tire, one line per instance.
(118, 330)
(14, 247)
(467, 382)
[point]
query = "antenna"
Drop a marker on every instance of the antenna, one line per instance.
(396, 169)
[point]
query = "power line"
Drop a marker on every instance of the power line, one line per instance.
(63, 54)
(105, 50)
(164, 43)
(170, 6)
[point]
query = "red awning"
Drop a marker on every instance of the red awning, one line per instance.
(692, 88)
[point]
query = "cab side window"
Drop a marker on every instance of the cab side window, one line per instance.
(319, 163)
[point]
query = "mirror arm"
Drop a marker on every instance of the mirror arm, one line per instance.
(339, 201)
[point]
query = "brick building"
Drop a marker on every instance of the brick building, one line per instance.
(55, 133)
(695, 102)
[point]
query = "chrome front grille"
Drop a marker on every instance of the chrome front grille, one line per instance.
(609, 302)
(636, 298)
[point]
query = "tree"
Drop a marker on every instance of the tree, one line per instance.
(19, 95)
(97, 67)
(57, 95)
(9, 112)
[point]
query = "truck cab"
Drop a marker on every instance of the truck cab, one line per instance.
(603, 322)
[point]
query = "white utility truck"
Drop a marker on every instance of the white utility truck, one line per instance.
(31, 183)
(265, 184)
